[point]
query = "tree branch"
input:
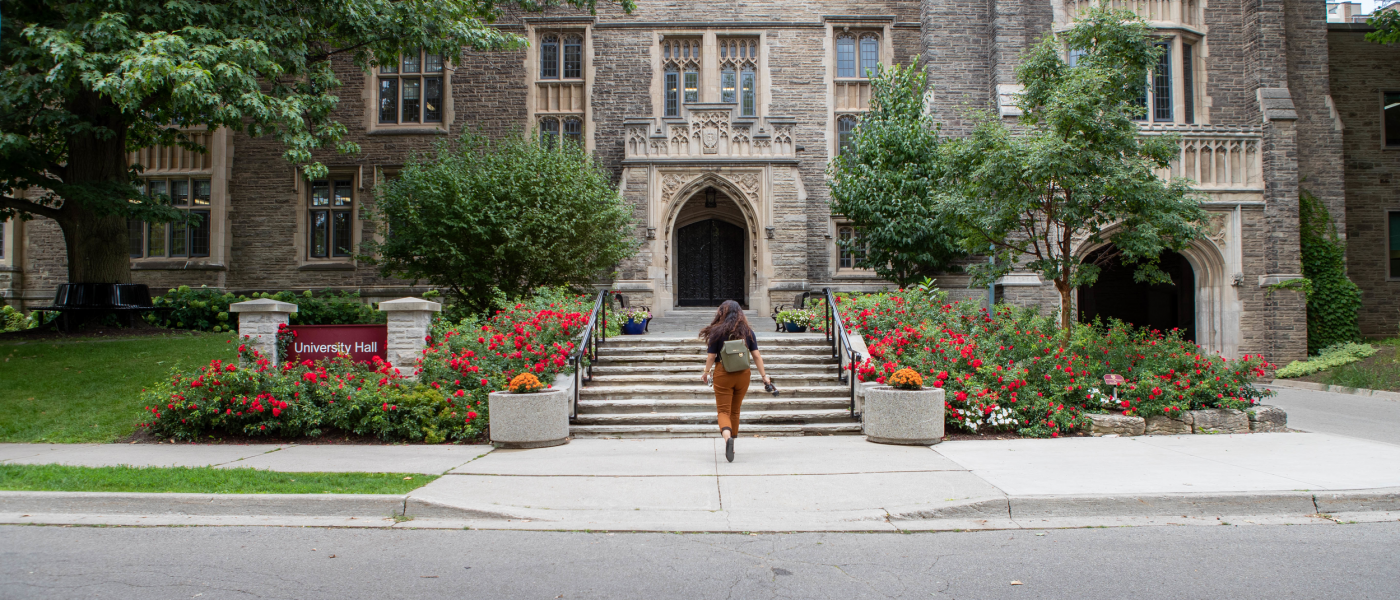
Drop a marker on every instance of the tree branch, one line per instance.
(30, 207)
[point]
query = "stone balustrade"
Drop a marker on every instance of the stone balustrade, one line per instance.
(1180, 12)
(1216, 158)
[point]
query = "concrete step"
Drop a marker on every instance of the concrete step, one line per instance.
(698, 349)
(640, 359)
(777, 417)
(759, 402)
(690, 377)
(700, 312)
(700, 391)
(611, 369)
(711, 430)
(764, 339)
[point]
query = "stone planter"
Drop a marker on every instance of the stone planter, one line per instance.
(1101, 425)
(533, 420)
(1219, 420)
(905, 417)
(1263, 418)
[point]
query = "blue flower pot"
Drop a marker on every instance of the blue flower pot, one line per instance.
(792, 328)
(634, 327)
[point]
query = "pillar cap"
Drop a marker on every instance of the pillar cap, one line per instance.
(262, 305)
(404, 304)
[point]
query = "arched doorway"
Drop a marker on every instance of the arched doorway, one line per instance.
(710, 251)
(1158, 306)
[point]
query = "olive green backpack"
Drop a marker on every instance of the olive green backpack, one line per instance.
(734, 356)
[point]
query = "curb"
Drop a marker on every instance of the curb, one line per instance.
(1007, 510)
(1335, 389)
(127, 503)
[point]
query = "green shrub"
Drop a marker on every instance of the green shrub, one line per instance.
(1335, 355)
(207, 309)
(13, 320)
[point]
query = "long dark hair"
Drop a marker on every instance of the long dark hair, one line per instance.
(729, 324)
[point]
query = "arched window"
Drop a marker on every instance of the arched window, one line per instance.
(845, 55)
(549, 57)
(573, 57)
(573, 130)
(869, 55)
(549, 131)
(845, 128)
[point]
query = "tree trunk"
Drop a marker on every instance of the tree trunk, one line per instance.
(94, 230)
(1066, 308)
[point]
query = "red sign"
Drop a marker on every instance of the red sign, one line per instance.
(1112, 379)
(360, 342)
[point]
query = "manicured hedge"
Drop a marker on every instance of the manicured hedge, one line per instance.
(206, 309)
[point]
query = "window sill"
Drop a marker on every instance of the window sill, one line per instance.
(175, 265)
(412, 130)
(328, 266)
(855, 274)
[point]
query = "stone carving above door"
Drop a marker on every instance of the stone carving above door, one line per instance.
(711, 131)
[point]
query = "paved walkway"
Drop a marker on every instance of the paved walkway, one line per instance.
(1342, 414)
(821, 483)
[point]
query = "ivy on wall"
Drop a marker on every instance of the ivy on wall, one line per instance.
(1334, 300)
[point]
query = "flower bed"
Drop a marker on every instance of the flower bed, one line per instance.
(462, 364)
(1012, 370)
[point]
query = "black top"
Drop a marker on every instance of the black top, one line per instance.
(716, 344)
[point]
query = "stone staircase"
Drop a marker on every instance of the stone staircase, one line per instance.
(649, 386)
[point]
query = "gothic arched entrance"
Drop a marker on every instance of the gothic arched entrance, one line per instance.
(1158, 306)
(710, 251)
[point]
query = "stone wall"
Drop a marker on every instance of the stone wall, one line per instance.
(1361, 71)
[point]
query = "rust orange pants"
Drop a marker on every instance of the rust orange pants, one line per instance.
(729, 394)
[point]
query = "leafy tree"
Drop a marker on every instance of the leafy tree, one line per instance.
(487, 220)
(83, 82)
(1387, 24)
(1333, 300)
(1076, 170)
(883, 182)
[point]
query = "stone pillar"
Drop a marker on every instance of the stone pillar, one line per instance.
(258, 321)
(409, 319)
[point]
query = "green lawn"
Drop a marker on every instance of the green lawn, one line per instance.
(208, 480)
(89, 390)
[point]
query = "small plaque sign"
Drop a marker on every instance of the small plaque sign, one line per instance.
(360, 342)
(1112, 379)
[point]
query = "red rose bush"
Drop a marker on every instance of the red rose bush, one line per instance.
(1012, 370)
(462, 363)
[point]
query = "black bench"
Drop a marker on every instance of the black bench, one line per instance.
(81, 302)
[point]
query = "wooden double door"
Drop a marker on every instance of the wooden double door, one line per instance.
(710, 263)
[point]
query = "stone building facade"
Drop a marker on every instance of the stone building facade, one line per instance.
(719, 120)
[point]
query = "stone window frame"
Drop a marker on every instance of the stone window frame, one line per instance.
(882, 29)
(540, 87)
(1385, 132)
(301, 242)
(1186, 108)
(168, 230)
(10, 230)
(682, 56)
(554, 128)
(840, 225)
(1392, 224)
(860, 50)
(842, 118)
(737, 59)
(215, 165)
(370, 96)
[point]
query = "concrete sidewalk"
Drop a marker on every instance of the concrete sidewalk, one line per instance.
(775, 484)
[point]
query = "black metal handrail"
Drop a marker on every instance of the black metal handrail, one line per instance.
(588, 347)
(840, 339)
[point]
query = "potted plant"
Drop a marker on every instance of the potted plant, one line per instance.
(528, 414)
(903, 411)
(635, 322)
(797, 320)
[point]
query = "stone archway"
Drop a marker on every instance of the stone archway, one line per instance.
(1216, 307)
(711, 241)
(1161, 306)
(684, 205)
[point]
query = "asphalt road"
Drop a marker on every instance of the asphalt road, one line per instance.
(1303, 561)
(1342, 414)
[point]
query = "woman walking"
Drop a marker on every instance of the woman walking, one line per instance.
(731, 370)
